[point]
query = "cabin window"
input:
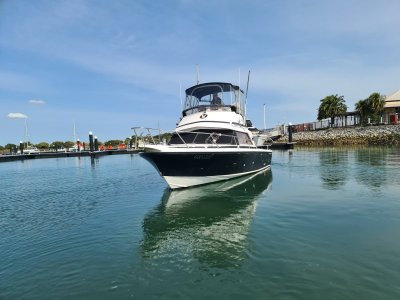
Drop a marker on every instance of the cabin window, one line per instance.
(243, 138)
(216, 137)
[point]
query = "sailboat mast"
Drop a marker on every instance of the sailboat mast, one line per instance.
(26, 137)
(74, 133)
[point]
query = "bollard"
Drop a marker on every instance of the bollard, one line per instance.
(91, 146)
(21, 147)
(290, 132)
(96, 144)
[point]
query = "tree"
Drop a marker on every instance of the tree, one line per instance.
(10, 147)
(331, 106)
(377, 103)
(372, 108)
(113, 143)
(57, 145)
(363, 110)
(43, 146)
(69, 144)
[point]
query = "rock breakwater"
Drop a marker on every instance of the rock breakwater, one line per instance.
(368, 135)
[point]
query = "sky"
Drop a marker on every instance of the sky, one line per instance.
(108, 66)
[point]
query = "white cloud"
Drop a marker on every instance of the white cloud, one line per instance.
(17, 116)
(37, 102)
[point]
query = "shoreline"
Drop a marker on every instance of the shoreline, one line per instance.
(381, 135)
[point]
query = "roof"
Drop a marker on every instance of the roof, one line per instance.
(393, 97)
(393, 100)
(208, 88)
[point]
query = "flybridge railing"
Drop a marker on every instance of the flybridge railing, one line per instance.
(208, 107)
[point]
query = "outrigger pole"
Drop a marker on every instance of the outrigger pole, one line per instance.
(247, 91)
(198, 74)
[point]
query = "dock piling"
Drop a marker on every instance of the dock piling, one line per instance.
(91, 146)
(290, 132)
(96, 144)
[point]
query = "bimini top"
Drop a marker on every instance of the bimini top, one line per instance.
(216, 96)
(208, 88)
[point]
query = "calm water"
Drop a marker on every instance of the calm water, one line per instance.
(322, 224)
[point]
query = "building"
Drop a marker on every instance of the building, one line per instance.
(392, 108)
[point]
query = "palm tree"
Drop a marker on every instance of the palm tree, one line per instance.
(377, 103)
(364, 110)
(331, 106)
(372, 107)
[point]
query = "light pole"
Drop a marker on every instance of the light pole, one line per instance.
(265, 127)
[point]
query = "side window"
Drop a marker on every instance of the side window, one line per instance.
(243, 138)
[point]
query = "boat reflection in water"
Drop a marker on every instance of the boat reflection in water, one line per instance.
(209, 224)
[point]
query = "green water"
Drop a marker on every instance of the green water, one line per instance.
(321, 224)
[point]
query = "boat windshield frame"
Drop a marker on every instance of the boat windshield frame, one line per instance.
(211, 137)
(200, 98)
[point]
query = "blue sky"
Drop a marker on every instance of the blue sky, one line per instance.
(112, 65)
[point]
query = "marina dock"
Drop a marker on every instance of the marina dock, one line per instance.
(16, 157)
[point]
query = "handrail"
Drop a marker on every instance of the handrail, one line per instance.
(181, 139)
(210, 138)
(199, 107)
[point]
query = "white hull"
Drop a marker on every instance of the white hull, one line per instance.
(179, 182)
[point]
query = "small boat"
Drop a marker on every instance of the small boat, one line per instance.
(211, 141)
(265, 137)
(29, 150)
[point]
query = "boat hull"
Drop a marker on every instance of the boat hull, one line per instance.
(182, 169)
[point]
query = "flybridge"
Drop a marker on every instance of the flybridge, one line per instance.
(214, 96)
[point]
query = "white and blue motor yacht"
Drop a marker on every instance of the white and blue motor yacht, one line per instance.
(211, 141)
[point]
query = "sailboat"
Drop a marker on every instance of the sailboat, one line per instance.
(28, 148)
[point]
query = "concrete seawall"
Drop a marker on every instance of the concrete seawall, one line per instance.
(369, 135)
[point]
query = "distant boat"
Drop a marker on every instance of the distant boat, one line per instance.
(29, 150)
(264, 137)
(211, 141)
